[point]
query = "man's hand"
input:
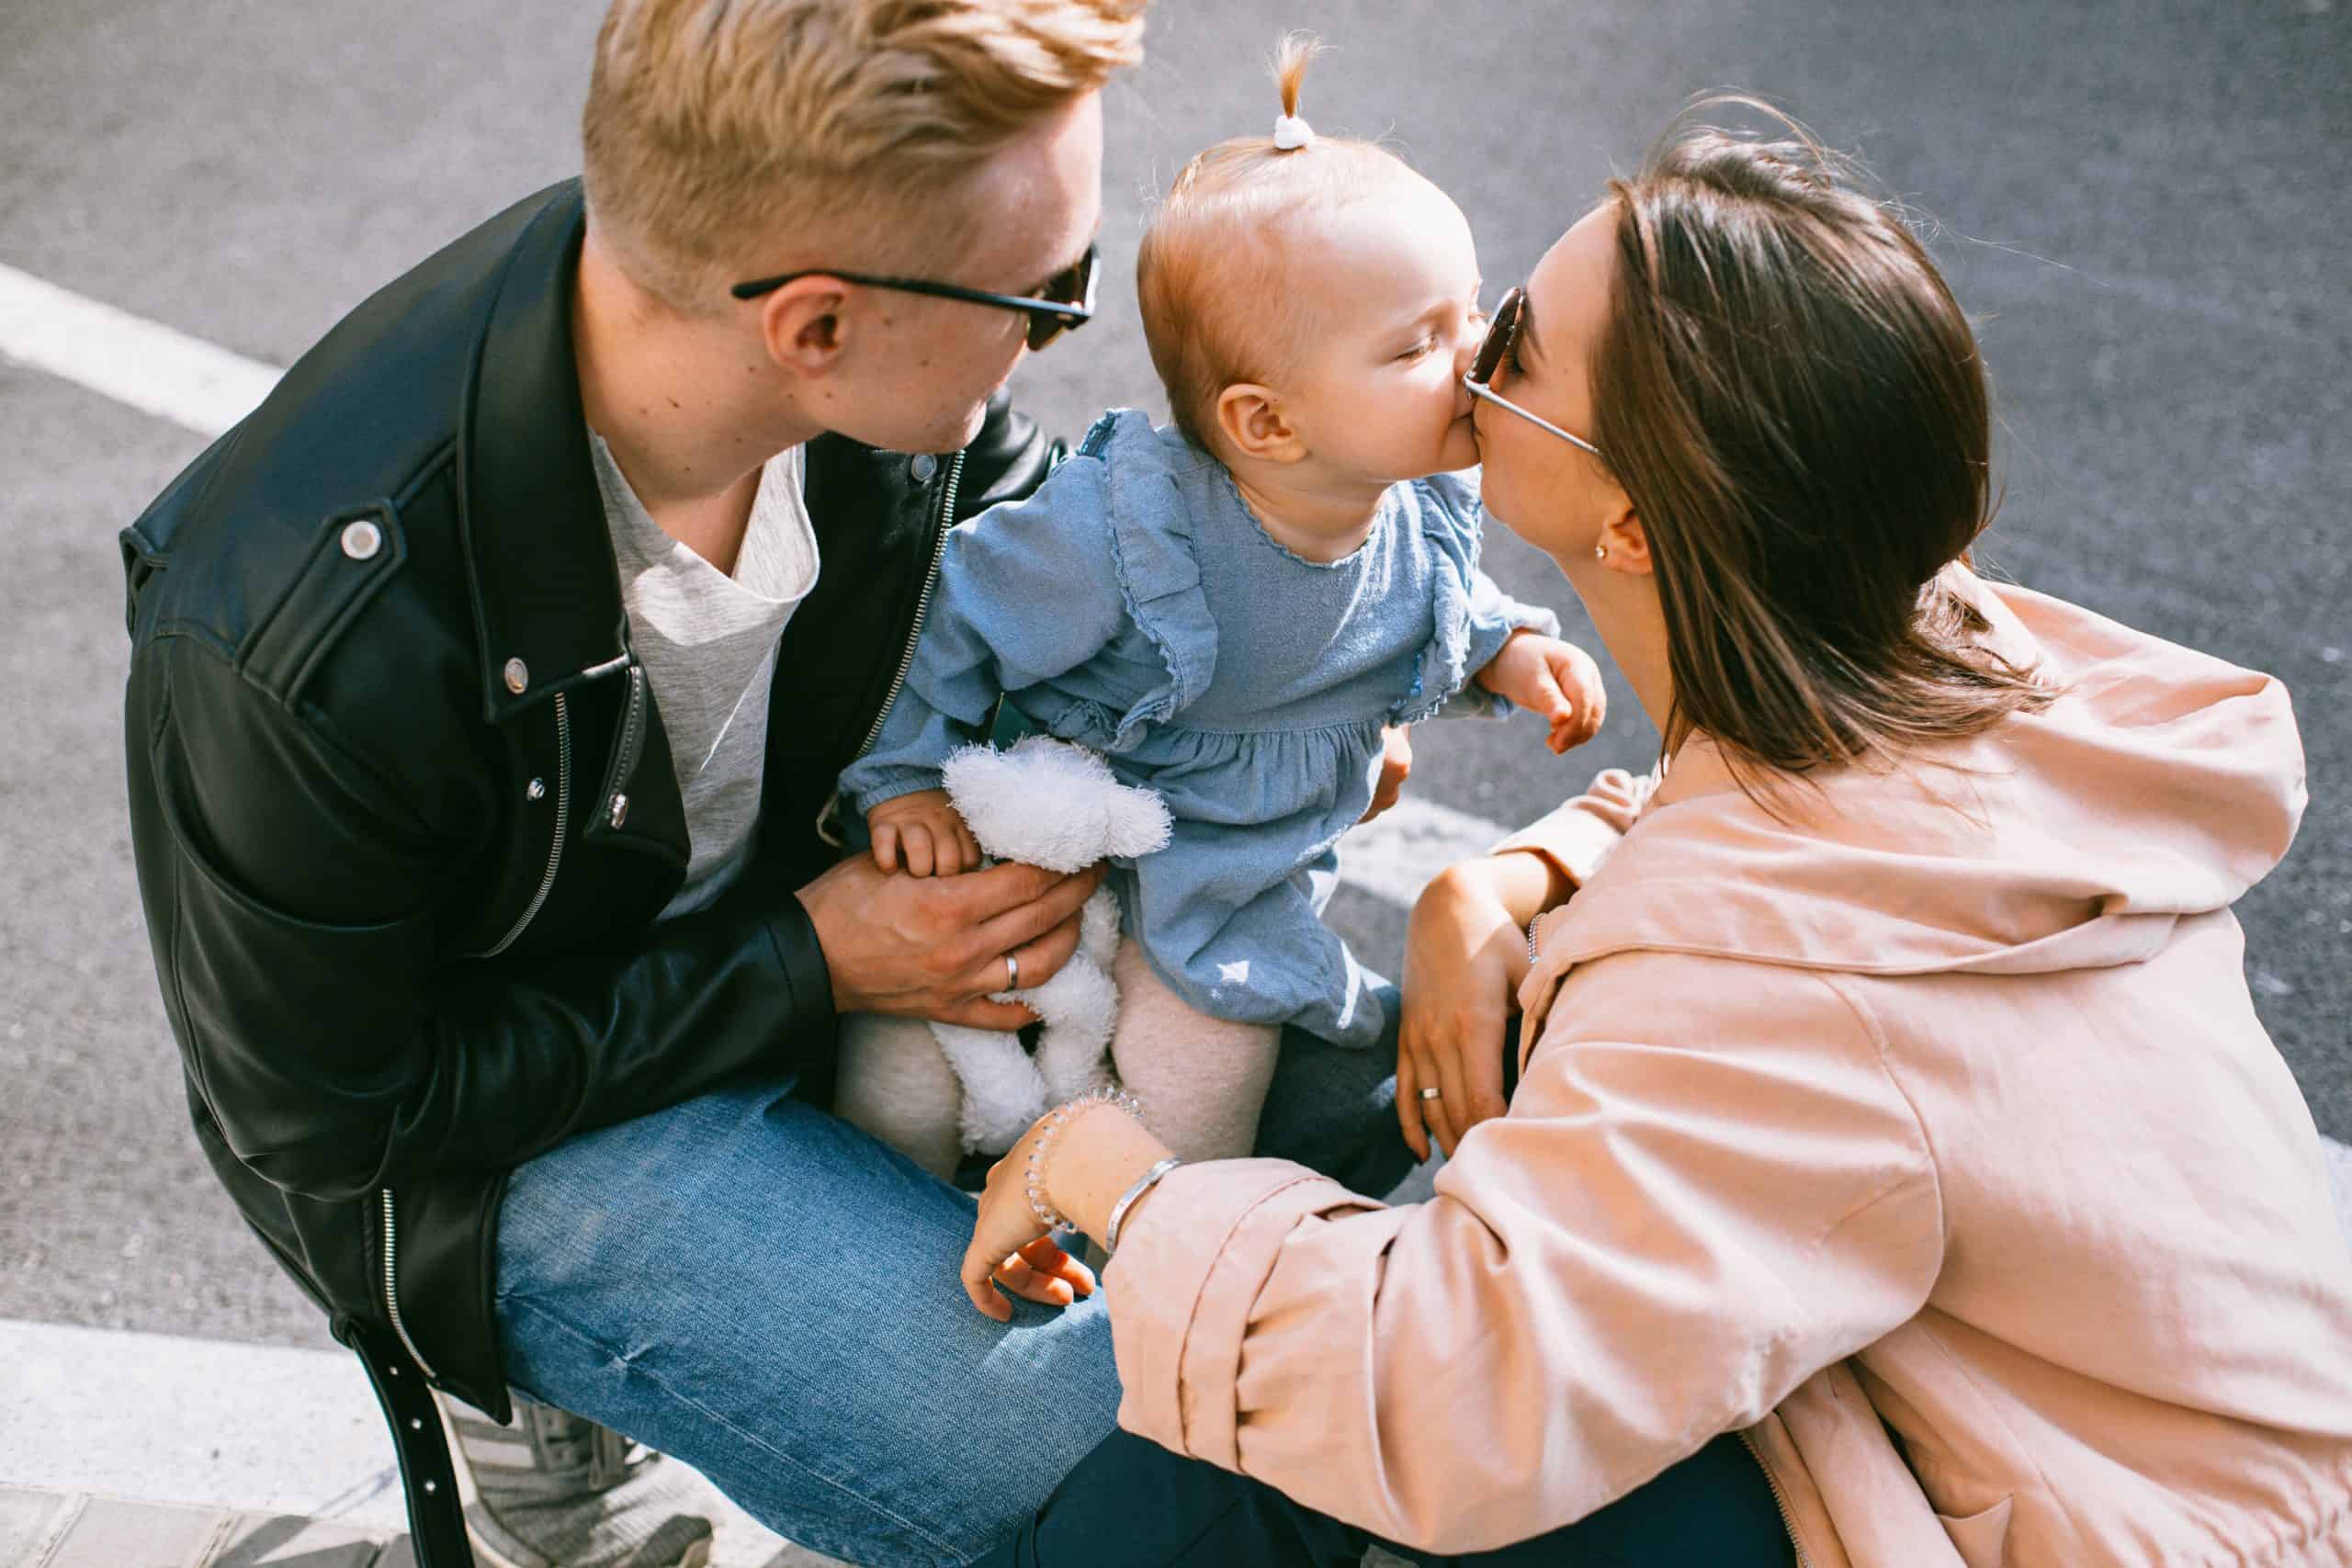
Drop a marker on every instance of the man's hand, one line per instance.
(924, 830)
(1557, 681)
(937, 949)
(1395, 762)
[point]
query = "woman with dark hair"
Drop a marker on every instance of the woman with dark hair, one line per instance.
(1897, 1172)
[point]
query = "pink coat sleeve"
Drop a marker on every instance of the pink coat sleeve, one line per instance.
(1576, 836)
(1707, 1189)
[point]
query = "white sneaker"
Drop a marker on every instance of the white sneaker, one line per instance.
(555, 1489)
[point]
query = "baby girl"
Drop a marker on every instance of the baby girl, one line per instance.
(1232, 609)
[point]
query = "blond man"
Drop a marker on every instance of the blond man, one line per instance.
(489, 687)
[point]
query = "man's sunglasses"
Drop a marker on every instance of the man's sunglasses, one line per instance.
(1502, 343)
(1063, 303)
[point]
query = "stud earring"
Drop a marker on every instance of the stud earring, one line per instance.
(1601, 552)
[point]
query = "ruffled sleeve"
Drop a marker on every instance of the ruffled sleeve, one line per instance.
(1025, 592)
(1475, 617)
(1152, 484)
(1030, 591)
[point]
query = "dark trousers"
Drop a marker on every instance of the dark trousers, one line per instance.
(1131, 1504)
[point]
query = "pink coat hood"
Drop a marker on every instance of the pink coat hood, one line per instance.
(2161, 784)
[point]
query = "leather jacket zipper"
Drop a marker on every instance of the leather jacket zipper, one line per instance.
(1779, 1501)
(632, 742)
(923, 604)
(555, 850)
(914, 634)
(392, 1287)
(631, 734)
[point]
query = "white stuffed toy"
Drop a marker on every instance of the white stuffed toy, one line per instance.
(936, 1090)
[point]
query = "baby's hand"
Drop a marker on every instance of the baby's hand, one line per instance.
(1557, 681)
(923, 829)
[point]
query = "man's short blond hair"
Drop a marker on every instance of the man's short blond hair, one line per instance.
(714, 126)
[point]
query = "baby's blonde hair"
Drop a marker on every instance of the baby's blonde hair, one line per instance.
(1210, 275)
(714, 125)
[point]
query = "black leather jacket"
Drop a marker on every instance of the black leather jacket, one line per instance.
(403, 806)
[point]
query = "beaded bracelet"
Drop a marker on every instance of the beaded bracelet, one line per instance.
(1048, 1215)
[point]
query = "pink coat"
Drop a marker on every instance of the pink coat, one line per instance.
(1925, 1135)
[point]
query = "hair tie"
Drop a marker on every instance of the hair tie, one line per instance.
(1291, 134)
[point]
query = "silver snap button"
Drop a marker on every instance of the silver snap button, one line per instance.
(620, 810)
(362, 539)
(536, 790)
(518, 676)
(430, 1485)
(922, 468)
(415, 1425)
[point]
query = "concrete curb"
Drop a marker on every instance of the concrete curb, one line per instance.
(41, 1529)
(122, 1449)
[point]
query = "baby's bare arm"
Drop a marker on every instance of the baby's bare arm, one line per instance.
(1555, 681)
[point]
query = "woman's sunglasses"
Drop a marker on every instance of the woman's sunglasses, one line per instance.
(1064, 302)
(1501, 345)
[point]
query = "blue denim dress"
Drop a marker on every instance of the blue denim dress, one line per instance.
(1134, 606)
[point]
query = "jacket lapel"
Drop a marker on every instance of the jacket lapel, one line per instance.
(546, 596)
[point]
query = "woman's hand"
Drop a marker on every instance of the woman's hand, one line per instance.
(1466, 954)
(1009, 1246)
(1091, 1161)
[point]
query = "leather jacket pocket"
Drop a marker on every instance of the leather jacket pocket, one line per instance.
(299, 1034)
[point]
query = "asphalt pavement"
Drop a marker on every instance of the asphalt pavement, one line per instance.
(2142, 204)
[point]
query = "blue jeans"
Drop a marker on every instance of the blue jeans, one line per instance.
(771, 1295)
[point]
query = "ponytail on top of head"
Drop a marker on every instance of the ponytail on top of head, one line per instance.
(1292, 133)
(1291, 55)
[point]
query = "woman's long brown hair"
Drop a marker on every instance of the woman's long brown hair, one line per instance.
(1794, 401)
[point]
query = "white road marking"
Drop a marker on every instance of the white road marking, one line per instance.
(1392, 856)
(151, 367)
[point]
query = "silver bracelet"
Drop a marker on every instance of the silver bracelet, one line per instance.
(1532, 959)
(1053, 1219)
(1144, 1184)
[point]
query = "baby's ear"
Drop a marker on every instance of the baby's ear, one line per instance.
(1251, 418)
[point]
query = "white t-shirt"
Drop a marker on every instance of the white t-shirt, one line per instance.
(708, 642)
